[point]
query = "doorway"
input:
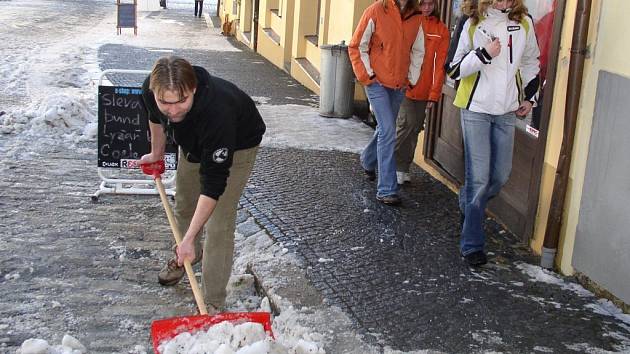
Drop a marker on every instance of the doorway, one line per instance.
(517, 203)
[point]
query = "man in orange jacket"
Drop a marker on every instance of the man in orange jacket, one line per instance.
(422, 97)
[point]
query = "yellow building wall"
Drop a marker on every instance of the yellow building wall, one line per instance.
(282, 25)
(306, 25)
(609, 53)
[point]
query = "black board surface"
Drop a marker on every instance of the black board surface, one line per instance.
(126, 15)
(123, 129)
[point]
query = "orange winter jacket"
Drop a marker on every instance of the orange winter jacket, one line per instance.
(379, 50)
(436, 41)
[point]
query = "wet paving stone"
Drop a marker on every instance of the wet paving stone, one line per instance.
(397, 271)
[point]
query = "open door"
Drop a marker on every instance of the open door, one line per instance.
(516, 205)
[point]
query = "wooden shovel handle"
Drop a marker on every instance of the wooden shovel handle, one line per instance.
(178, 239)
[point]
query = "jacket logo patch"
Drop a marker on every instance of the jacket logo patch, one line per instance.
(220, 155)
(513, 28)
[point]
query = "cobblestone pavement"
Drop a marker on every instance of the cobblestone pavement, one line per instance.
(397, 272)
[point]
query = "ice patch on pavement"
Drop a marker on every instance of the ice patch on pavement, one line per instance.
(301, 127)
(600, 306)
(487, 337)
(608, 308)
(542, 275)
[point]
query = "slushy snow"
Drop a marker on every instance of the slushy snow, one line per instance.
(69, 345)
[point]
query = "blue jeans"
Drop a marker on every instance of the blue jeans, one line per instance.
(379, 152)
(488, 144)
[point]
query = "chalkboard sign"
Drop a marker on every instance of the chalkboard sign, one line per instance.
(123, 129)
(126, 16)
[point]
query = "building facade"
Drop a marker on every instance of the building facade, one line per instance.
(568, 190)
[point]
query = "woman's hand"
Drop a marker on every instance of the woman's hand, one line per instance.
(185, 251)
(493, 48)
(523, 109)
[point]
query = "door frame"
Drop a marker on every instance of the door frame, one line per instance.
(434, 119)
(255, 17)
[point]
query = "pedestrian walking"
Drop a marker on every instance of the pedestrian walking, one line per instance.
(420, 99)
(218, 130)
(497, 62)
(466, 8)
(198, 5)
(163, 4)
(386, 63)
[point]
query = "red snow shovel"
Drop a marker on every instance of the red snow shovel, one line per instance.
(166, 329)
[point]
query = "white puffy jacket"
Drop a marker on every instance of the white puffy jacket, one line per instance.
(496, 85)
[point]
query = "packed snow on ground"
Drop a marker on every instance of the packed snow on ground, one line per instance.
(301, 127)
(59, 80)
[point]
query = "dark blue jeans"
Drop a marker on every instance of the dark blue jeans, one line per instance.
(488, 144)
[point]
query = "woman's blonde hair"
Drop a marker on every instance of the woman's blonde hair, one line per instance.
(173, 74)
(468, 7)
(517, 12)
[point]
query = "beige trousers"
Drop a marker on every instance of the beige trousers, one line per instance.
(409, 124)
(218, 249)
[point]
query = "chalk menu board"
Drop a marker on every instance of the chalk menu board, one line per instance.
(123, 129)
(126, 16)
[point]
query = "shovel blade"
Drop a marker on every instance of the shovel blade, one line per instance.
(169, 328)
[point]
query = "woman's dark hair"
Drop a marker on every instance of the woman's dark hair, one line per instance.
(436, 8)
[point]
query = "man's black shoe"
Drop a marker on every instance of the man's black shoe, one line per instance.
(389, 199)
(371, 175)
(476, 259)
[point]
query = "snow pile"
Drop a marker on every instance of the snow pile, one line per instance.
(62, 115)
(289, 332)
(228, 338)
(69, 345)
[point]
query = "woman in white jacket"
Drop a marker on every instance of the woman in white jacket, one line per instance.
(497, 64)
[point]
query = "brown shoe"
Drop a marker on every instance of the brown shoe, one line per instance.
(172, 273)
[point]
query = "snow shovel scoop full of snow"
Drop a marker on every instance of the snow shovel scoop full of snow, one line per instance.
(167, 329)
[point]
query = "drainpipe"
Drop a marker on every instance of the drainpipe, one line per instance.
(574, 88)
